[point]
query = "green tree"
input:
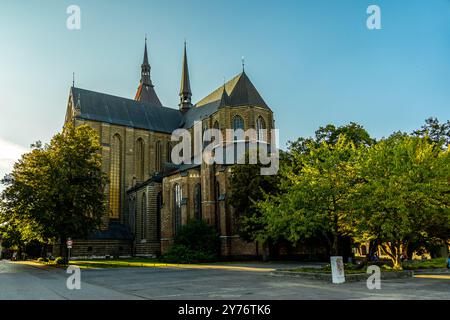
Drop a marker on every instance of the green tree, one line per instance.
(247, 187)
(437, 132)
(404, 192)
(353, 132)
(330, 134)
(58, 188)
(313, 201)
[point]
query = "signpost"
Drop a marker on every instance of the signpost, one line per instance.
(69, 244)
(337, 269)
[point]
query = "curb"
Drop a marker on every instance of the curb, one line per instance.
(355, 277)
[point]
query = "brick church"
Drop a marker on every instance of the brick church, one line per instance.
(148, 197)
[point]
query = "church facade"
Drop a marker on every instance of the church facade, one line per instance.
(148, 197)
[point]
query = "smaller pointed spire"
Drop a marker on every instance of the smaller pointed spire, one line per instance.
(185, 88)
(145, 68)
(225, 99)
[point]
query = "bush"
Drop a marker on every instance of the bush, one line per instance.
(197, 235)
(179, 253)
(60, 261)
(42, 260)
(195, 242)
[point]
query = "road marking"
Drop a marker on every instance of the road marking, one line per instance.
(432, 276)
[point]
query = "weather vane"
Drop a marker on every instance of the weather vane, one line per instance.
(243, 63)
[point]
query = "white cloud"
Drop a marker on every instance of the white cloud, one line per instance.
(9, 154)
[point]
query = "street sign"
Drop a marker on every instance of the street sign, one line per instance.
(69, 244)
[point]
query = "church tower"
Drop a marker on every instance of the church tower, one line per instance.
(185, 88)
(146, 92)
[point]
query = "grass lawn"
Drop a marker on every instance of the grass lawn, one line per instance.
(111, 263)
(438, 263)
(155, 263)
(119, 263)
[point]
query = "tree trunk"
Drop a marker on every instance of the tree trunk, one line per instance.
(410, 252)
(335, 245)
(266, 251)
(394, 250)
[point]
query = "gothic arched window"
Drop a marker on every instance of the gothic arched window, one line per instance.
(198, 201)
(260, 127)
(238, 123)
(177, 197)
(169, 152)
(158, 160)
(115, 187)
(144, 217)
(216, 125)
(139, 160)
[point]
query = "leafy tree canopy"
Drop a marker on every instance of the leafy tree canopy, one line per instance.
(57, 190)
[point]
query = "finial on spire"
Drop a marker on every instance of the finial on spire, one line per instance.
(73, 79)
(243, 63)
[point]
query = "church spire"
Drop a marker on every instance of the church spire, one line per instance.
(185, 89)
(225, 98)
(145, 68)
(146, 91)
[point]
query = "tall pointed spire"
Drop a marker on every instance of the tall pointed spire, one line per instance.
(185, 89)
(146, 91)
(145, 68)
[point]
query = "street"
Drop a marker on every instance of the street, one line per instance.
(19, 281)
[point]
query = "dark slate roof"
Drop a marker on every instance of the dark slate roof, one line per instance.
(241, 92)
(170, 168)
(155, 178)
(198, 113)
(96, 106)
(115, 230)
(245, 93)
(147, 93)
(126, 112)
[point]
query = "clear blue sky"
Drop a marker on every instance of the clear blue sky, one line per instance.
(314, 62)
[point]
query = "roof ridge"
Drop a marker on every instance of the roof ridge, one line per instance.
(119, 97)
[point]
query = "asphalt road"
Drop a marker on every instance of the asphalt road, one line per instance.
(19, 281)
